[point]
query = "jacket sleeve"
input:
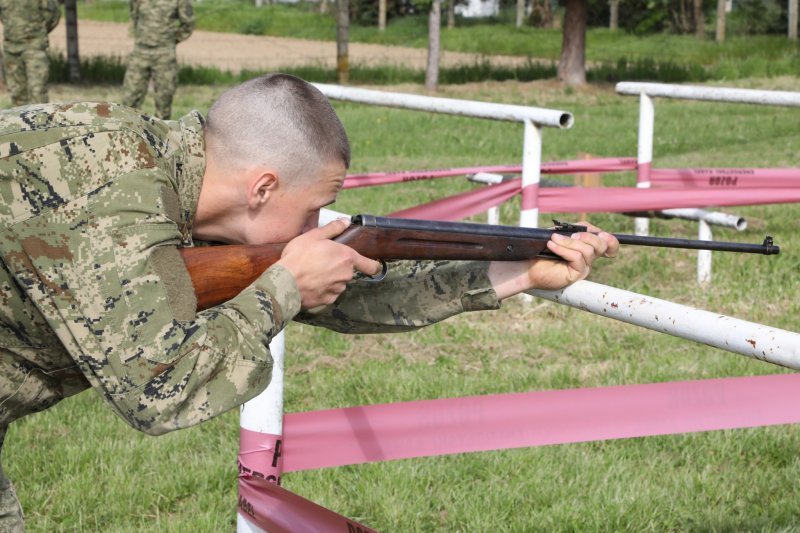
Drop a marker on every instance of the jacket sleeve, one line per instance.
(118, 296)
(52, 14)
(185, 20)
(414, 294)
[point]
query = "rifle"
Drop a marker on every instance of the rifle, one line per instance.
(221, 272)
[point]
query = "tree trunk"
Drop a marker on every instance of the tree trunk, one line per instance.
(323, 6)
(520, 12)
(699, 20)
(381, 15)
(720, 20)
(793, 20)
(572, 65)
(342, 38)
(434, 30)
(451, 14)
(73, 59)
(613, 19)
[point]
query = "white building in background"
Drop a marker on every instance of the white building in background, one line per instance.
(478, 8)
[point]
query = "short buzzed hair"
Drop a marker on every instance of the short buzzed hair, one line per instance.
(276, 120)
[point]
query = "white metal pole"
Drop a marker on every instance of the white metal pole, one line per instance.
(712, 94)
(264, 413)
(451, 106)
(714, 218)
(704, 256)
(758, 341)
(531, 174)
(644, 157)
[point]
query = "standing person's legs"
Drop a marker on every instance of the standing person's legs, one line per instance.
(137, 77)
(11, 520)
(37, 70)
(15, 78)
(165, 81)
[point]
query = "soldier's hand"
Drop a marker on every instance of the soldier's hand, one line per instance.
(322, 267)
(578, 253)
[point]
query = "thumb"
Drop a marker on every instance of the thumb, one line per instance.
(332, 229)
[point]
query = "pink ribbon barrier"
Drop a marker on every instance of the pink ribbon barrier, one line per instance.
(611, 164)
(726, 177)
(460, 206)
(277, 510)
(260, 455)
(597, 199)
(355, 435)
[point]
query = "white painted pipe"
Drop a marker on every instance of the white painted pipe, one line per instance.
(531, 175)
(714, 218)
(471, 108)
(712, 94)
(758, 341)
(644, 157)
(489, 178)
(704, 256)
(264, 413)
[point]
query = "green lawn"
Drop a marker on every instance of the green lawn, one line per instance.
(78, 467)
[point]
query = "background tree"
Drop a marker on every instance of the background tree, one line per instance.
(342, 39)
(720, 36)
(793, 20)
(572, 64)
(613, 17)
(434, 32)
(73, 59)
(699, 20)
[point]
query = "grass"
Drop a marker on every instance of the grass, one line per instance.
(680, 57)
(77, 467)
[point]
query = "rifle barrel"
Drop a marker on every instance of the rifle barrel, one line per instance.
(766, 248)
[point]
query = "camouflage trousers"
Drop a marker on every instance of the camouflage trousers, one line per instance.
(26, 76)
(158, 64)
(10, 509)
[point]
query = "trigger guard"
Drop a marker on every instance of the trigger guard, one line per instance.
(380, 275)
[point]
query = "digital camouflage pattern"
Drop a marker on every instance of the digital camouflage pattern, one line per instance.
(95, 200)
(26, 24)
(157, 25)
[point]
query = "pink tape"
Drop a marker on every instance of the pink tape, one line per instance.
(622, 199)
(355, 435)
(643, 172)
(597, 200)
(277, 510)
(260, 455)
(726, 177)
(462, 205)
(529, 197)
(611, 164)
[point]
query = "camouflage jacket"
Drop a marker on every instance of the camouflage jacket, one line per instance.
(95, 201)
(161, 23)
(26, 23)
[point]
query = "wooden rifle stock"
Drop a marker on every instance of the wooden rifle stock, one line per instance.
(221, 272)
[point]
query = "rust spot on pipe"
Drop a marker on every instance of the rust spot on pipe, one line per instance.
(751, 342)
(614, 306)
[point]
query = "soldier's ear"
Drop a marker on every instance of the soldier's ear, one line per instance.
(263, 184)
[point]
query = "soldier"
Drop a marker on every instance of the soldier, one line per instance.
(26, 24)
(158, 25)
(97, 199)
